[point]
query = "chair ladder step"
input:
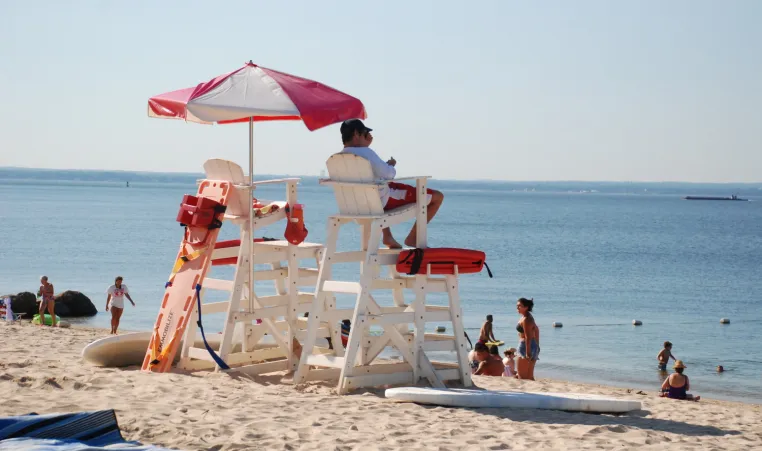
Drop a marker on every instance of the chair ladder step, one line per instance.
(325, 361)
(335, 286)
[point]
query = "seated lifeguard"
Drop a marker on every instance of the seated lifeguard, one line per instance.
(356, 138)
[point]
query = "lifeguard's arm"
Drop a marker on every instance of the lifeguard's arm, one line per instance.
(492, 333)
(380, 168)
(482, 368)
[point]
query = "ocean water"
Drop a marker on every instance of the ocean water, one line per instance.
(594, 256)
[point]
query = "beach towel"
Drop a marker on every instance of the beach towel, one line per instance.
(66, 432)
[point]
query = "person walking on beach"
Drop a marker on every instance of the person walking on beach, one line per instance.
(676, 385)
(356, 138)
(529, 339)
(116, 294)
(48, 301)
(664, 356)
(485, 334)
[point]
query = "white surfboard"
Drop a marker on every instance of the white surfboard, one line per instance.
(573, 402)
(130, 349)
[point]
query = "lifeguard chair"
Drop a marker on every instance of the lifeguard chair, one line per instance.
(404, 325)
(278, 316)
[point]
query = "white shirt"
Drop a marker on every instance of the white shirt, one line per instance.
(381, 170)
(117, 295)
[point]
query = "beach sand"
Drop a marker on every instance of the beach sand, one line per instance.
(41, 371)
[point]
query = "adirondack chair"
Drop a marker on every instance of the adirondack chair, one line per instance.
(357, 194)
(280, 315)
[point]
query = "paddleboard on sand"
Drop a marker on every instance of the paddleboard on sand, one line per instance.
(572, 402)
(129, 349)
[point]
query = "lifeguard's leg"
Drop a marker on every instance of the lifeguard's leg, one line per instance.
(436, 201)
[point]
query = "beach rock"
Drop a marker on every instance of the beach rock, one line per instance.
(24, 303)
(74, 303)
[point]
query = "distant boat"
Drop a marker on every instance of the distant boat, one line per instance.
(734, 197)
(128, 184)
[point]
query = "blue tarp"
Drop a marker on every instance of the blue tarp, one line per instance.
(66, 432)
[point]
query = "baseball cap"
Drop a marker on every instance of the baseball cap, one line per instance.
(349, 127)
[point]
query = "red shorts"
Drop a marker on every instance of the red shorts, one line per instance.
(401, 195)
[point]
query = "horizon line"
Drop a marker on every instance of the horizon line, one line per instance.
(446, 180)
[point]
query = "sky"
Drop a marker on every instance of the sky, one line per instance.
(507, 90)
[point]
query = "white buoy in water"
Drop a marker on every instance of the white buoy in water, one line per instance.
(637, 322)
(724, 321)
(557, 324)
(441, 328)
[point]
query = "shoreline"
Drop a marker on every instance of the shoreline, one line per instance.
(557, 373)
(41, 371)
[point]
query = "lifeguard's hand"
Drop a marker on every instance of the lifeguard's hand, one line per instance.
(391, 162)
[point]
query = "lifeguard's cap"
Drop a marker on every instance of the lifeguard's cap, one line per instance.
(349, 127)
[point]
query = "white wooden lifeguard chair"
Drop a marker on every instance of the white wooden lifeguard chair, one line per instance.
(280, 314)
(359, 201)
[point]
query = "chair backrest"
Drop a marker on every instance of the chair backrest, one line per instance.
(218, 169)
(355, 199)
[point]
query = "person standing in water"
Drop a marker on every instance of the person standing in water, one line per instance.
(116, 294)
(48, 301)
(664, 356)
(485, 334)
(529, 339)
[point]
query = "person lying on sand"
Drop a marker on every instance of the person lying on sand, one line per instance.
(676, 385)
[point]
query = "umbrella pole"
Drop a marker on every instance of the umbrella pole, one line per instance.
(251, 211)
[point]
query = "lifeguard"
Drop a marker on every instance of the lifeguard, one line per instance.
(356, 138)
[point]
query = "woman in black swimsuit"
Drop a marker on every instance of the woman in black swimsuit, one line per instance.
(529, 339)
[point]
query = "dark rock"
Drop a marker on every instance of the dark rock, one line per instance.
(74, 303)
(24, 303)
(62, 309)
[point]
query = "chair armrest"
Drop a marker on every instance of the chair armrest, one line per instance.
(270, 182)
(335, 182)
(415, 177)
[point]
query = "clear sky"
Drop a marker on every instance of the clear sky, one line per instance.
(518, 90)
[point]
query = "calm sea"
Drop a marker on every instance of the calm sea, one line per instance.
(594, 256)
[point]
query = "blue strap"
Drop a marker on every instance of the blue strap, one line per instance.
(214, 355)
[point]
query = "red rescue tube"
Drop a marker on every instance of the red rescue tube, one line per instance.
(226, 245)
(441, 260)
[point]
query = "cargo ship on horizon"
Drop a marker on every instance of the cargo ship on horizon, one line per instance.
(734, 197)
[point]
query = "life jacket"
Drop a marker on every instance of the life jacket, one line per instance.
(295, 232)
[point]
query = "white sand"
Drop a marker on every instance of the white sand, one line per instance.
(41, 371)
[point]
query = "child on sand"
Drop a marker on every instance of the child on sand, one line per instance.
(664, 356)
(509, 362)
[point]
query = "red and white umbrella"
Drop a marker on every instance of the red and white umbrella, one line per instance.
(254, 93)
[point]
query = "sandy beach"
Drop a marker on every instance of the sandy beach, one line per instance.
(41, 371)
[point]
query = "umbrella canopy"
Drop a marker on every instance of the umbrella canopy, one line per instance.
(256, 93)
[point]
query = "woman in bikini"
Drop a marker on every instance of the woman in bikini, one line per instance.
(529, 339)
(48, 301)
